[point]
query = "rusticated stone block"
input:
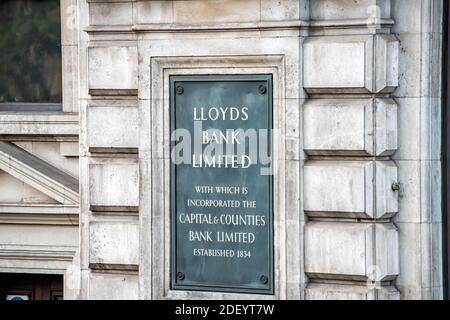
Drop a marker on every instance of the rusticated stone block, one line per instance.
(113, 127)
(113, 70)
(350, 127)
(114, 186)
(351, 64)
(351, 251)
(346, 189)
(114, 243)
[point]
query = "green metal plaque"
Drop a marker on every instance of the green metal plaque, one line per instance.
(221, 185)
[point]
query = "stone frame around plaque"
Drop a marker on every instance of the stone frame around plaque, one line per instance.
(154, 163)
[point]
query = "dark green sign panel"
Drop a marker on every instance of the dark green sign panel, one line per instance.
(221, 186)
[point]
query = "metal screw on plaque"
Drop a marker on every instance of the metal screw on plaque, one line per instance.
(180, 90)
(180, 275)
(395, 186)
(264, 279)
(262, 89)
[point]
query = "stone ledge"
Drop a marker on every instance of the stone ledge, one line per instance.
(114, 209)
(233, 26)
(114, 245)
(351, 23)
(43, 214)
(36, 253)
(113, 92)
(57, 124)
(113, 267)
(107, 151)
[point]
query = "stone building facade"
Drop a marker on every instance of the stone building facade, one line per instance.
(84, 191)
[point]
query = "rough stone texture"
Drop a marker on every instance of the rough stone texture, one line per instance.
(112, 68)
(281, 10)
(69, 40)
(114, 242)
(199, 11)
(13, 190)
(69, 149)
(221, 11)
(119, 129)
(113, 287)
(120, 13)
(114, 185)
(159, 11)
(350, 9)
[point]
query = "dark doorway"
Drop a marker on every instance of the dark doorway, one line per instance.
(21, 286)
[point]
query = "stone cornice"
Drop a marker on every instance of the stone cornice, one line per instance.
(235, 26)
(181, 27)
(42, 214)
(369, 23)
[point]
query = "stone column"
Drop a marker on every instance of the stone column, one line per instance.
(109, 222)
(350, 131)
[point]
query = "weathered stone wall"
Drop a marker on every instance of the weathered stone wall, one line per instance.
(356, 100)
